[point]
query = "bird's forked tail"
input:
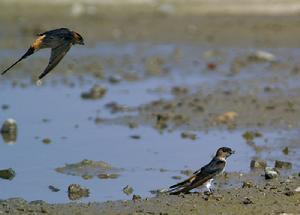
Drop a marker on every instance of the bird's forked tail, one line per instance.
(29, 52)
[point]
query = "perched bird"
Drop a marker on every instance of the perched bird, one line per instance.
(205, 175)
(59, 40)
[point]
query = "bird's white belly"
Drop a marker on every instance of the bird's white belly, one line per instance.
(208, 184)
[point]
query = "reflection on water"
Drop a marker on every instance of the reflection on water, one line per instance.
(56, 127)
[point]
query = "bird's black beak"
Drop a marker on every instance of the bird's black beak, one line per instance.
(232, 152)
(81, 43)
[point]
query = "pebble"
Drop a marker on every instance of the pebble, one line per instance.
(258, 164)
(7, 174)
(46, 140)
(247, 201)
(136, 197)
(75, 191)
(247, 184)
(128, 190)
(283, 164)
(270, 173)
(262, 56)
(9, 131)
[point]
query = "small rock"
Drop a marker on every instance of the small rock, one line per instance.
(5, 107)
(289, 193)
(128, 190)
(114, 79)
(188, 135)
(9, 131)
(285, 150)
(96, 92)
(7, 174)
(226, 117)
(258, 164)
(180, 91)
(135, 137)
(9, 126)
(46, 140)
(75, 191)
(161, 121)
(247, 201)
(271, 173)
(136, 197)
(217, 197)
(261, 56)
(53, 189)
(283, 164)
(247, 184)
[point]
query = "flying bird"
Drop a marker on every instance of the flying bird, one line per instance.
(205, 175)
(59, 40)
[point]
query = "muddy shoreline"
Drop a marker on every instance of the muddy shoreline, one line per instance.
(277, 196)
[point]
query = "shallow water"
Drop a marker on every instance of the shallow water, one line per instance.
(58, 112)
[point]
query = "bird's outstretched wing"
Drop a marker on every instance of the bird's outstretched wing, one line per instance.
(56, 55)
(199, 177)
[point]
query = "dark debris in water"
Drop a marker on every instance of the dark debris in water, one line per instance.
(7, 174)
(189, 135)
(114, 107)
(283, 164)
(53, 188)
(249, 136)
(47, 141)
(108, 176)
(96, 92)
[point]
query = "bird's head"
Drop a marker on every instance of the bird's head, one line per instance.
(77, 38)
(224, 152)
